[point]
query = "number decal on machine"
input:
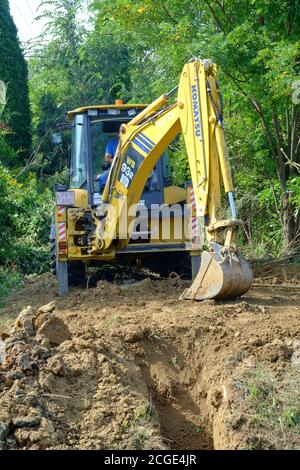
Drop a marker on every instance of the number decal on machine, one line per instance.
(132, 162)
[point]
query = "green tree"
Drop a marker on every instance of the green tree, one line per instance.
(256, 45)
(78, 66)
(13, 72)
(25, 217)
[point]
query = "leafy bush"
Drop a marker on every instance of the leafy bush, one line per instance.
(294, 186)
(25, 218)
(7, 154)
(9, 279)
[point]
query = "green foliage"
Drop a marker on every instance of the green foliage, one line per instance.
(7, 154)
(257, 53)
(144, 413)
(294, 186)
(78, 66)
(179, 163)
(13, 72)
(291, 416)
(9, 279)
(25, 218)
(271, 403)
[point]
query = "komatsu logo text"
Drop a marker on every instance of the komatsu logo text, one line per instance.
(196, 110)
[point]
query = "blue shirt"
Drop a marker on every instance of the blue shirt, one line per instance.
(102, 180)
(112, 146)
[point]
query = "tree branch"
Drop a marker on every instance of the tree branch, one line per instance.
(276, 202)
(168, 13)
(222, 8)
(213, 13)
(294, 128)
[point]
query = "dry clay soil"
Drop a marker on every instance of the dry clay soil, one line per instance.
(132, 367)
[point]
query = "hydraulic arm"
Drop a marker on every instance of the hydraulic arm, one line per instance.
(198, 114)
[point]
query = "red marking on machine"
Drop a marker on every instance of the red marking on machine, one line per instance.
(195, 223)
(195, 229)
(62, 232)
(192, 198)
(61, 210)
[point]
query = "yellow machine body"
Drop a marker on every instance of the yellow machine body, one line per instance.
(197, 114)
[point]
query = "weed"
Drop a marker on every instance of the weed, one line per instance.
(174, 360)
(250, 446)
(291, 416)
(194, 427)
(9, 280)
(256, 421)
(125, 425)
(273, 404)
(144, 413)
(144, 439)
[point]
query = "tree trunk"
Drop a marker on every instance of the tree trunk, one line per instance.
(291, 220)
(286, 159)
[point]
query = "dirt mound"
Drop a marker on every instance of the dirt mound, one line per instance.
(130, 366)
(277, 272)
(59, 391)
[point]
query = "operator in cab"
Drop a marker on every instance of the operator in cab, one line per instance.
(110, 151)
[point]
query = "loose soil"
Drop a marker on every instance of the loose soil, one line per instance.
(132, 367)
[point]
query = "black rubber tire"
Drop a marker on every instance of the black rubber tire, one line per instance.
(76, 273)
(181, 265)
(76, 269)
(165, 264)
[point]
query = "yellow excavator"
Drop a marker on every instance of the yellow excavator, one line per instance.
(126, 221)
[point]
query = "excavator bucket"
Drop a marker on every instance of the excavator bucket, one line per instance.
(221, 276)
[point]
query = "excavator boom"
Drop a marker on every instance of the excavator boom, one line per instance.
(198, 115)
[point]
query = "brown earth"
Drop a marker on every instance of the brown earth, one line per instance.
(130, 366)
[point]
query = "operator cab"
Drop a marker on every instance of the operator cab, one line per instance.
(93, 127)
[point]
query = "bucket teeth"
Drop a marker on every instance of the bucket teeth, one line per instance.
(220, 277)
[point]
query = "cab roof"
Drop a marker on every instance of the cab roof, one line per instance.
(105, 107)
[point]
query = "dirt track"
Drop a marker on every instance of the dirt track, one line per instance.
(136, 368)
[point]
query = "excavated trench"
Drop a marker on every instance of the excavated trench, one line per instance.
(177, 393)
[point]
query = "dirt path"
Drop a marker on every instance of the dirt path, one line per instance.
(139, 369)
